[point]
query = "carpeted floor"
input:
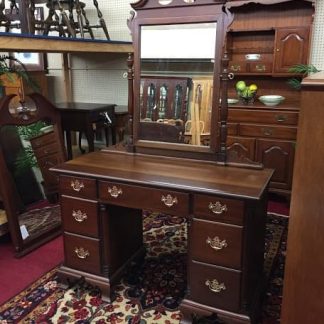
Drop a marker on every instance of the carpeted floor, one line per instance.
(149, 292)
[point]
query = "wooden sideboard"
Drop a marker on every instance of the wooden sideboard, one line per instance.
(264, 41)
(266, 135)
(102, 198)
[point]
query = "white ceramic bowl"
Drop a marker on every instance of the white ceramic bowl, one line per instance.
(271, 100)
(232, 101)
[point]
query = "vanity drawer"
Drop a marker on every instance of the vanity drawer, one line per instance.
(216, 243)
(80, 216)
(165, 201)
(282, 132)
(262, 117)
(219, 209)
(78, 187)
(82, 253)
(215, 286)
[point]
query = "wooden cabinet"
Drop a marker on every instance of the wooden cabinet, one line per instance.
(303, 293)
(267, 136)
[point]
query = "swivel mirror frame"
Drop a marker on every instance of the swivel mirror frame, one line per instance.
(180, 12)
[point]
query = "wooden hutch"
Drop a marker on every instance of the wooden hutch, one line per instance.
(279, 34)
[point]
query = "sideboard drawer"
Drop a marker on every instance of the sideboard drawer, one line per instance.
(219, 209)
(78, 187)
(167, 201)
(80, 216)
(216, 243)
(215, 286)
(283, 132)
(82, 253)
(262, 117)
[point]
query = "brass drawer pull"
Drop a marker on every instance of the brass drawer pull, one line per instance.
(77, 185)
(260, 67)
(217, 208)
(235, 68)
(81, 253)
(281, 118)
(169, 200)
(79, 216)
(215, 286)
(267, 131)
(216, 243)
(114, 191)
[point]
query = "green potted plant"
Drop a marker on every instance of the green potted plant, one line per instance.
(301, 69)
(12, 69)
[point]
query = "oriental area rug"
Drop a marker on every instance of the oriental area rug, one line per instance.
(150, 292)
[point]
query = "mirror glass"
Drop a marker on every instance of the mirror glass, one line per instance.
(32, 191)
(176, 85)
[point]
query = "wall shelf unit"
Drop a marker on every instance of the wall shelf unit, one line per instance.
(25, 43)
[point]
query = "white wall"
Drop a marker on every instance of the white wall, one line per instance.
(317, 57)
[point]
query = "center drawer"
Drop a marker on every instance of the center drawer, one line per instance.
(166, 201)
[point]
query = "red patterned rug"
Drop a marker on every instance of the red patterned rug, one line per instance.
(149, 292)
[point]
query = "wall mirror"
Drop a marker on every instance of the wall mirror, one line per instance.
(30, 143)
(177, 85)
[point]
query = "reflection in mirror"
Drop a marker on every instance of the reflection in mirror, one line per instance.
(176, 88)
(31, 142)
(35, 206)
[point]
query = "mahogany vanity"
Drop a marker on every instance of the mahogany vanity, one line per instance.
(104, 193)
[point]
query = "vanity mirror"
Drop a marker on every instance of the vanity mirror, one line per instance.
(30, 143)
(177, 78)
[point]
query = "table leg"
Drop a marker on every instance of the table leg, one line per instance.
(68, 144)
(90, 137)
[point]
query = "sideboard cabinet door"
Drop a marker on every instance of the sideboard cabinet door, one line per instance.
(291, 48)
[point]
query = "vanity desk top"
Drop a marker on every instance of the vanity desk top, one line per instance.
(183, 174)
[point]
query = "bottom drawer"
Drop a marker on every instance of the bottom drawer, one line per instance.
(82, 253)
(214, 286)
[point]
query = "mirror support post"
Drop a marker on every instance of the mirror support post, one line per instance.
(130, 77)
(223, 110)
